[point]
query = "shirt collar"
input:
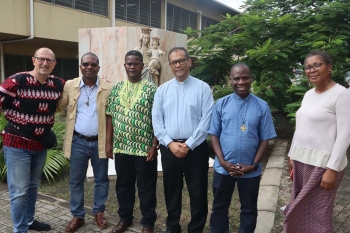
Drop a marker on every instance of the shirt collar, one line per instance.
(242, 99)
(83, 84)
(184, 82)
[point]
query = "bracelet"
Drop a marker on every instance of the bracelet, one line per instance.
(156, 146)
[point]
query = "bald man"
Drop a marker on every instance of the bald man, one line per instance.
(28, 101)
(240, 128)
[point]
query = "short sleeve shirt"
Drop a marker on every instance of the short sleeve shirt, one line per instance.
(238, 146)
(130, 105)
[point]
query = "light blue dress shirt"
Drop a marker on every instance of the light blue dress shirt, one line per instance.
(86, 121)
(240, 147)
(182, 110)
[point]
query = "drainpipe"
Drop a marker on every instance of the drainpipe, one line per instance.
(2, 63)
(31, 18)
(112, 13)
(200, 20)
(165, 13)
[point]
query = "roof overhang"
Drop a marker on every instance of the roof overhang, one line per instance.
(222, 7)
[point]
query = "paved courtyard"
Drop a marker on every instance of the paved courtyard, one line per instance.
(50, 210)
(56, 211)
(341, 206)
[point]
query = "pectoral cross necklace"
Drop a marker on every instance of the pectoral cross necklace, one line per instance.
(88, 95)
(243, 127)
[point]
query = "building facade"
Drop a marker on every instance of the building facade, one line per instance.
(26, 25)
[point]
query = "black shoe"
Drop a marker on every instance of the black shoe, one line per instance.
(39, 226)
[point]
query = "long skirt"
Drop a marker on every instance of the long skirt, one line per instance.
(310, 209)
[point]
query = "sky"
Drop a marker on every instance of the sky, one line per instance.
(233, 3)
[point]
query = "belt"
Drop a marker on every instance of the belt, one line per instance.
(179, 140)
(90, 139)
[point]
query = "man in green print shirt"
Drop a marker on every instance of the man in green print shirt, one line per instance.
(130, 138)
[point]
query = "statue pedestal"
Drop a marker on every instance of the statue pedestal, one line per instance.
(112, 43)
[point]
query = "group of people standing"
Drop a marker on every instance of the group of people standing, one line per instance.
(131, 120)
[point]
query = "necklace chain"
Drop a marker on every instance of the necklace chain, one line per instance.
(88, 95)
(243, 127)
(131, 93)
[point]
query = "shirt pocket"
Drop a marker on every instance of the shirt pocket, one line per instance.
(252, 131)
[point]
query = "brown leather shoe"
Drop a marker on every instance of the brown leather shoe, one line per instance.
(101, 220)
(121, 227)
(147, 230)
(75, 224)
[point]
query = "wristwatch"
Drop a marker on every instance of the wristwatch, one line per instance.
(256, 165)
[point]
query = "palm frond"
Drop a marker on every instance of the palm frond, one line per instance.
(55, 163)
(3, 168)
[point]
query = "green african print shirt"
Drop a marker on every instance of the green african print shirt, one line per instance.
(130, 105)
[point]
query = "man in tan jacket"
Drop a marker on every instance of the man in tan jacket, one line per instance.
(86, 98)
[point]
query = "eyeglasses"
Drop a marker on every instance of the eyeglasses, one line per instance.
(244, 79)
(87, 64)
(42, 60)
(132, 64)
(181, 62)
(316, 66)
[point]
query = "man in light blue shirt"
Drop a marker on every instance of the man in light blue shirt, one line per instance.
(85, 139)
(181, 115)
(240, 128)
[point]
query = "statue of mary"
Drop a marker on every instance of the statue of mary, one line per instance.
(143, 47)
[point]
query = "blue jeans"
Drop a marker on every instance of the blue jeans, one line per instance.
(248, 190)
(24, 169)
(82, 151)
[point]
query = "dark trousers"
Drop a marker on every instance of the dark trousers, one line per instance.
(248, 190)
(195, 169)
(129, 169)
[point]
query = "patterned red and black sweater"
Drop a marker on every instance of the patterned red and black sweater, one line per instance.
(30, 107)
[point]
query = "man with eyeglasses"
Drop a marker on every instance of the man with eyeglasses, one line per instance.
(85, 137)
(241, 126)
(130, 137)
(181, 116)
(28, 101)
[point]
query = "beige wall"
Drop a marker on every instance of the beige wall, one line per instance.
(28, 49)
(121, 23)
(14, 17)
(57, 26)
(61, 23)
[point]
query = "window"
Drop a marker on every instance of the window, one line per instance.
(65, 68)
(99, 7)
(132, 9)
(179, 19)
(145, 12)
(206, 22)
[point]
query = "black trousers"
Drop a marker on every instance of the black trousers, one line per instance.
(194, 167)
(129, 169)
(248, 190)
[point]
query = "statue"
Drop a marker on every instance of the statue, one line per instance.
(154, 64)
(143, 47)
